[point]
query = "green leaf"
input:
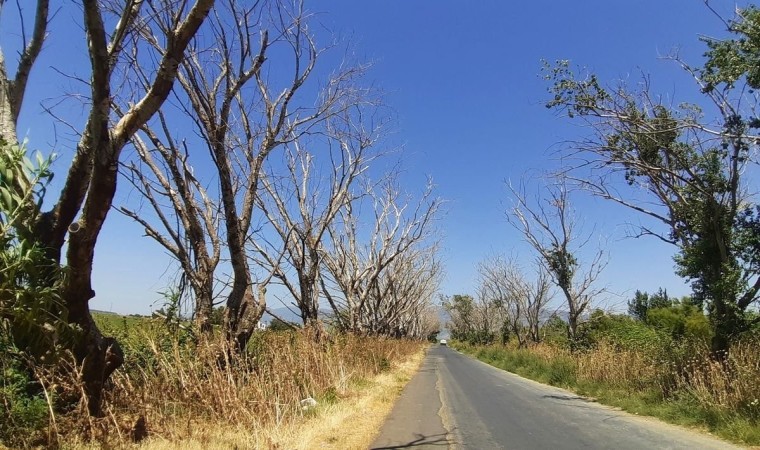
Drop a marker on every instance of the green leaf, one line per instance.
(7, 199)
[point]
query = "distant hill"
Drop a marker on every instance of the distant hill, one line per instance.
(283, 313)
(97, 311)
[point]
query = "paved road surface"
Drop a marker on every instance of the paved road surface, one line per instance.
(457, 402)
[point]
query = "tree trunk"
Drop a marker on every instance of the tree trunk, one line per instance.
(204, 306)
(98, 355)
(572, 330)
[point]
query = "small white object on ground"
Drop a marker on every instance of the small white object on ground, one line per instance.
(308, 403)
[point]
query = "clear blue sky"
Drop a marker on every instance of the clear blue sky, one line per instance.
(463, 80)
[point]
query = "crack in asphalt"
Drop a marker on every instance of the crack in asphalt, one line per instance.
(443, 412)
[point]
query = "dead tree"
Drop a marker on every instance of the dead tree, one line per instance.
(242, 114)
(520, 302)
(189, 229)
(550, 226)
(300, 204)
(404, 292)
(356, 254)
(12, 90)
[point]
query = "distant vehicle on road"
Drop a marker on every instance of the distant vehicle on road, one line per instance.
(443, 341)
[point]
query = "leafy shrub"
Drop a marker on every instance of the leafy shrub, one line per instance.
(32, 328)
(24, 411)
(681, 321)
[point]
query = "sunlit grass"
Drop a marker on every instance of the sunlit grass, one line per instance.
(698, 392)
(191, 394)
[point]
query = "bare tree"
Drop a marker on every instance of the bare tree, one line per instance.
(354, 266)
(91, 180)
(191, 226)
(12, 90)
(520, 302)
(301, 203)
(242, 115)
(403, 293)
(551, 227)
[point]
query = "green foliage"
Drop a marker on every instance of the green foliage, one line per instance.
(217, 316)
(23, 408)
(681, 321)
(621, 331)
(29, 281)
(642, 302)
(563, 265)
(554, 332)
(32, 325)
(279, 325)
(143, 338)
(464, 326)
(696, 179)
(730, 60)
(461, 309)
(524, 362)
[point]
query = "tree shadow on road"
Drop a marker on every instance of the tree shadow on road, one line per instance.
(566, 397)
(434, 440)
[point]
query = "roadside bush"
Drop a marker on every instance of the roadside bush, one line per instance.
(681, 321)
(23, 407)
(32, 318)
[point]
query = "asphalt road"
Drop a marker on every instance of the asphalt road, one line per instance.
(457, 402)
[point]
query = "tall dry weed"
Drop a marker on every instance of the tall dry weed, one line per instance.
(178, 390)
(728, 385)
(609, 364)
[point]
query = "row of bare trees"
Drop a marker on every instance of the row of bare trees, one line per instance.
(512, 303)
(252, 170)
(509, 303)
(292, 172)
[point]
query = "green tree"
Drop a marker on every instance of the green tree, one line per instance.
(461, 309)
(693, 175)
(642, 302)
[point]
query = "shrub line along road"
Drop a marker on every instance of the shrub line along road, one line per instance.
(457, 402)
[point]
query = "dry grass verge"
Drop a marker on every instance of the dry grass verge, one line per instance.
(188, 397)
(353, 422)
(348, 422)
(687, 388)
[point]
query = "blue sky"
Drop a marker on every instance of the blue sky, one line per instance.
(463, 79)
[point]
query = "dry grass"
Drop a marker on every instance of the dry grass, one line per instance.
(618, 367)
(349, 422)
(686, 385)
(353, 422)
(189, 396)
(730, 386)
